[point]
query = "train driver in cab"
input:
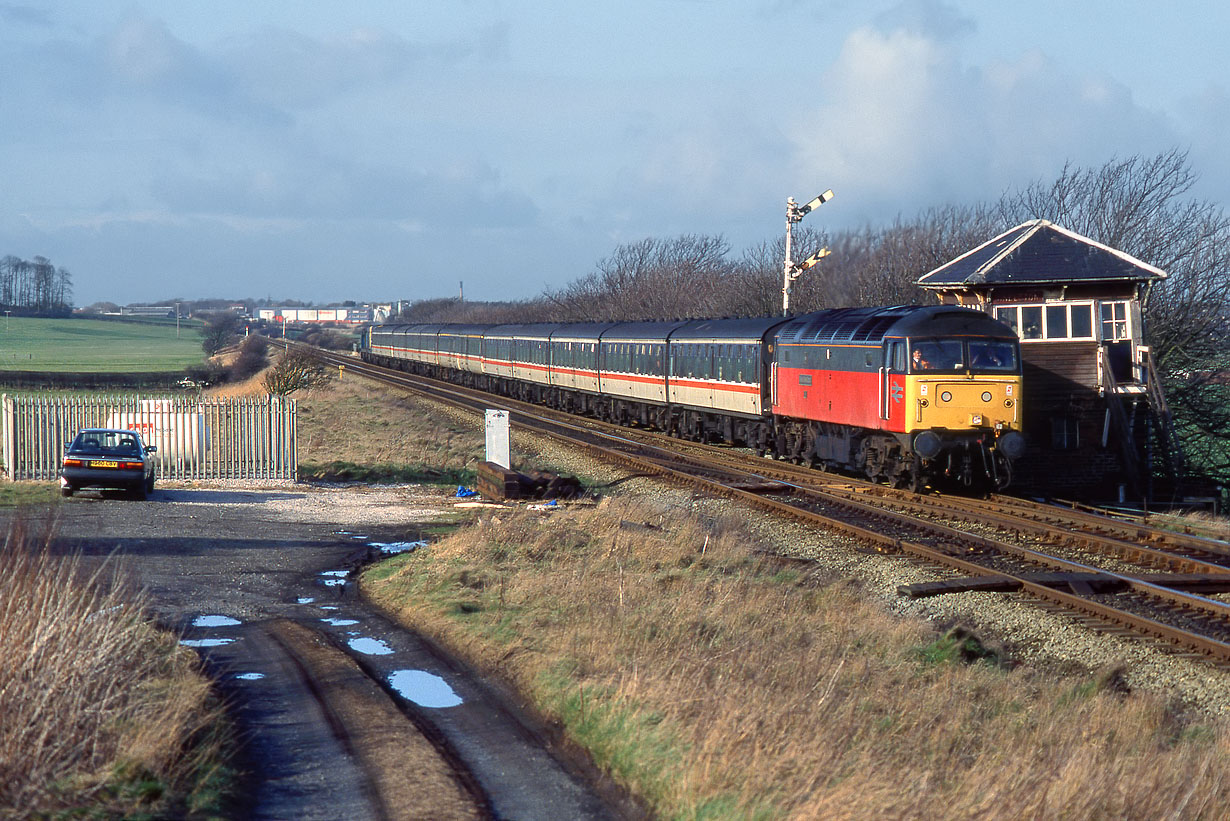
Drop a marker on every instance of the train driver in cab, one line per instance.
(918, 361)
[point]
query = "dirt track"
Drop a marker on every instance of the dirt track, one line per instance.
(317, 678)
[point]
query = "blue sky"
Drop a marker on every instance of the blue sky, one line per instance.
(385, 150)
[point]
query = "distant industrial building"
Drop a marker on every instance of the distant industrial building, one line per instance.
(147, 310)
(347, 316)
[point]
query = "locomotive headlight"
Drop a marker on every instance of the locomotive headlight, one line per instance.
(945, 397)
(986, 396)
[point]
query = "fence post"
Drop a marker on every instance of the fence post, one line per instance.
(8, 438)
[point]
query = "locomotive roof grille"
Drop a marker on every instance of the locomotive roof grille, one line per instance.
(792, 331)
(873, 329)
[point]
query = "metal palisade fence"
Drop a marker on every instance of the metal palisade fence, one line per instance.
(197, 438)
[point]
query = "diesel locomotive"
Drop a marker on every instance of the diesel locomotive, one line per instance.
(911, 395)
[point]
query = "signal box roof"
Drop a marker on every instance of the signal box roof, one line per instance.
(1039, 252)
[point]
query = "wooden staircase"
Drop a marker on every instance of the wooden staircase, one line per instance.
(1123, 401)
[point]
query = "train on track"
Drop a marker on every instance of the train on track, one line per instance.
(911, 395)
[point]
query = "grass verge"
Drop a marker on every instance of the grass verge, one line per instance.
(17, 494)
(717, 685)
(103, 715)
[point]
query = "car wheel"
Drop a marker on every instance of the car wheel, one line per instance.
(149, 485)
(66, 492)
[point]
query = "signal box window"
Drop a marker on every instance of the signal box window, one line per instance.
(1058, 321)
(1065, 435)
(1114, 321)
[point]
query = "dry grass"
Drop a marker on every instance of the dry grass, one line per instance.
(252, 386)
(353, 421)
(100, 713)
(720, 686)
(1199, 524)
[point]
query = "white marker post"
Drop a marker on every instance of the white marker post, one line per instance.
(497, 438)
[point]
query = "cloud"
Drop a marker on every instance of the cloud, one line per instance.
(314, 187)
(905, 124)
(933, 19)
(25, 15)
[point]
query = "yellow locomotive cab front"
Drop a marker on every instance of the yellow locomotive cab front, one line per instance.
(965, 403)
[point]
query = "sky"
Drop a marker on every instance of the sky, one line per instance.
(376, 150)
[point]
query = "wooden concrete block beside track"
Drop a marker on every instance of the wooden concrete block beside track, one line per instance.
(497, 482)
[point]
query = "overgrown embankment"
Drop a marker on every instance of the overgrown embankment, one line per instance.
(101, 714)
(720, 685)
(353, 430)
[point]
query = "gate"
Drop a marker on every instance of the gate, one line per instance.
(197, 438)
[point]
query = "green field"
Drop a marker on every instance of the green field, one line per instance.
(93, 346)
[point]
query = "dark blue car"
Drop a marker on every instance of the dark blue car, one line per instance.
(108, 458)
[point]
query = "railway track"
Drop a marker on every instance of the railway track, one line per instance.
(1124, 576)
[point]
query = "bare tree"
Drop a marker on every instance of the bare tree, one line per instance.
(220, 329)
(296, 369)
(651, 279)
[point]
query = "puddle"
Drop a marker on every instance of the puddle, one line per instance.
(328, 607)
(333, 578)
(397, 547)
(423, 688)
(370, 647)
(362, 537)
(305, 600)
(249, 676)
(215, 621)
(204, 642)
(340, 622)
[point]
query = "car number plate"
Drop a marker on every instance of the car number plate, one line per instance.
(103, 463)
